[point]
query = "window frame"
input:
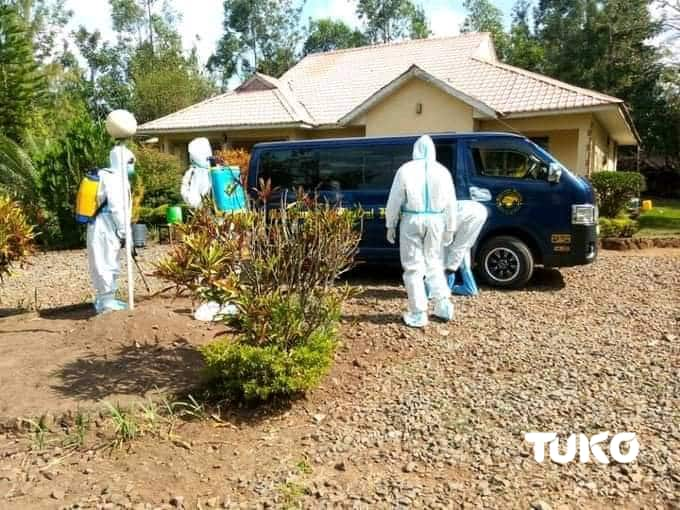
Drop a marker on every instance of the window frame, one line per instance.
(517, 146)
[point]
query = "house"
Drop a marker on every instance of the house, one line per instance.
(410, 87)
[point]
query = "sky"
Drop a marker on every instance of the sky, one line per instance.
(203, 25)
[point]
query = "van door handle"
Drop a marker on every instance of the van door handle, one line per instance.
(480, 194)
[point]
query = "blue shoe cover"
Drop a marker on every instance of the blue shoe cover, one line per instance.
(466, 285)
(415, 320)
(109, 305)
(444, 309)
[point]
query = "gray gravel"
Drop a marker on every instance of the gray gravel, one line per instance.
(61, 278)
(436, 419)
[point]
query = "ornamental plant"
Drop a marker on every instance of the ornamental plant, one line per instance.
(618, 227)
(615, 189)
(279, 267)
(16, 236)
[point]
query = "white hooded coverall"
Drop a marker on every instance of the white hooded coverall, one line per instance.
(423, 196)
(196, 182)
(105, 233)
(471, 218)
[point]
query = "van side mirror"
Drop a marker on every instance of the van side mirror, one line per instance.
(554, 172)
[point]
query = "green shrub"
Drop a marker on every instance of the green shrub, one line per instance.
(153, 216)
(615, 189)
(279, 271)
(289, 360)
(16, 235)
(618, 227)
(62, 163)
(161, 174)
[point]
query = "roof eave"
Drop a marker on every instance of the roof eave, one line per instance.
(618, 105)
(558, 111)
(224, 127)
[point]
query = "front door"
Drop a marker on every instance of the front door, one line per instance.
(511, 178)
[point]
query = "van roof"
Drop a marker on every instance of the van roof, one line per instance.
(368, 140)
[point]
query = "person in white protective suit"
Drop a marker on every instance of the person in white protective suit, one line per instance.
(471, 218)
(196, 182)
(423, 202)
(106, 234)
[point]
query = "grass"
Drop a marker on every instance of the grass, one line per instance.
(125, 424)
(662, 221)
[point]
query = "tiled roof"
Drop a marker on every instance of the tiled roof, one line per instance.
(325, 87)
(256, 108)
(513, 90)
(331, 84)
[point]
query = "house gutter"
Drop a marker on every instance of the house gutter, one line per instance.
(222, 128)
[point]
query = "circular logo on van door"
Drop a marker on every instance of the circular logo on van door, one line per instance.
(509, 201)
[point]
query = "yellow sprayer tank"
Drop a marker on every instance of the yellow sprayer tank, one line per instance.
(86, 200)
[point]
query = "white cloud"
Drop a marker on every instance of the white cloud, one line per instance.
(445, 21)
(201, 25)
(345, 10)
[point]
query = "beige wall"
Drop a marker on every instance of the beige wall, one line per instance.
(603, 149)
(579, 141)
(396, 115)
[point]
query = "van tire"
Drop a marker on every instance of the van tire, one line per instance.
(505, 262)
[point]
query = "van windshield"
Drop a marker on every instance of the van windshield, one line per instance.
(546, 156)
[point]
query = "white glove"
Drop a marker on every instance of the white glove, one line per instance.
(448, 237)
(391, 235)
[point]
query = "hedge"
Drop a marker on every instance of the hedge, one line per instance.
(615, 189)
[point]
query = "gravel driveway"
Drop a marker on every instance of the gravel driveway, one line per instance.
(436, 419)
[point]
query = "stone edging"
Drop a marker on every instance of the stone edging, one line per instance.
(621, 243)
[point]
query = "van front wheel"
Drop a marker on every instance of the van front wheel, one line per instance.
(506, 262)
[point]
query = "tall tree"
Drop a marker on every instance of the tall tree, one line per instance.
(166, 81)
(420, 28)
(566, 29)
(108, 82)
(21, 83)
(524, 49)
(138, 19)
(390, 20)
(671, 10)
(483, 16)
(46, 20)
(259, 35)
(328, 35)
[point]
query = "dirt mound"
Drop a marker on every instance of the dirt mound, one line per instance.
(67, 357)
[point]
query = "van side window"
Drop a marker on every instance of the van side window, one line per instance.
(290, 169)
(358, 167)
(507, 163)
(341, 168)
(446, 155)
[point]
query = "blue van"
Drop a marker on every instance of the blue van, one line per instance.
(539, 212)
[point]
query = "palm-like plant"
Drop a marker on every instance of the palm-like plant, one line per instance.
(18, 177)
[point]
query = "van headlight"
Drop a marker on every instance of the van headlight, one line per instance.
(583, 214)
